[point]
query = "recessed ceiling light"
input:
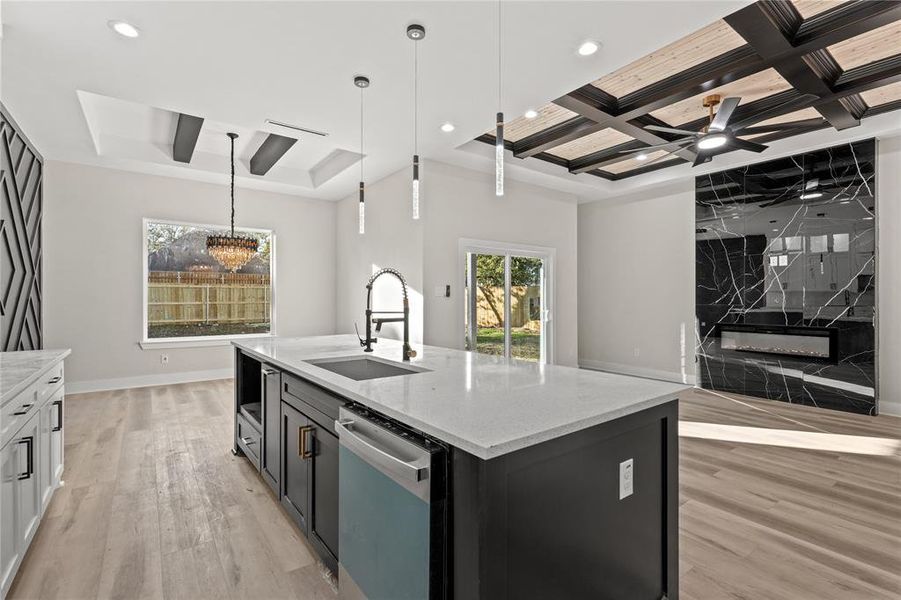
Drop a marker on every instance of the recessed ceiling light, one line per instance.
(588, 48)
(531, 114)
(775, 230)
(735, 216)
(124, 29)
(845, 202)
(709, 142)
(641, 156)
(811, 195)
(447, 127)
(868, 218)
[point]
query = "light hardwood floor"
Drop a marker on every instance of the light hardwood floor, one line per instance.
(155, 505)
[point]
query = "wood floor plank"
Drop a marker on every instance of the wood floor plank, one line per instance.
(155, 506)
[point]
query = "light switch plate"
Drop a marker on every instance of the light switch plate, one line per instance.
(626, 478)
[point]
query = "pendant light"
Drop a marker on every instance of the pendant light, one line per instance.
(499, 134)
(232, 251)
(416, 32)
(362, 82)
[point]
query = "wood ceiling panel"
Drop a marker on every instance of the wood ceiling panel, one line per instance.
(628, 165)
(548, 116)
(704, 44)
(868, 47)
(883, 95)
(811, 8)
(755, 87)
(599, 140)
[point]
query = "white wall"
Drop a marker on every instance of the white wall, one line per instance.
(456, 203)
(636, 284)
(392, 239)
(888, 278)
(93, 268)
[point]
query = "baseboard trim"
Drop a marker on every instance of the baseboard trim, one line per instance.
(123, 383)
(597, 365)
(889, 408)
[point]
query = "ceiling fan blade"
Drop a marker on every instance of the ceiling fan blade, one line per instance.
(667, 145)
(788, 125)
(724, 113)
(747, 145)
(701, 158)
(670, 130)
(781, 109)
(658, 159)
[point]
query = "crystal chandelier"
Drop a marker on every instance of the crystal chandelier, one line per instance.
(232, 251)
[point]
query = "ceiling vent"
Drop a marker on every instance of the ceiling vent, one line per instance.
(296, 128)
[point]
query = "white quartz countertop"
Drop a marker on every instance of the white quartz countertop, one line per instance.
(485, 405)
(20, 369)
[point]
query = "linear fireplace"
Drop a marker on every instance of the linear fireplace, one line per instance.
(816, 343)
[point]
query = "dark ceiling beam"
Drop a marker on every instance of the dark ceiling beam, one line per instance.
(591, 103)
(607, 156)
(769, 27)
(187, 130)
(843, 22)
(554, 136)
(269, 152)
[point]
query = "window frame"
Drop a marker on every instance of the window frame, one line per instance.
(203, 340)
(466, 246)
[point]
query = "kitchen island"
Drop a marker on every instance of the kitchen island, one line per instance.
(546, 481)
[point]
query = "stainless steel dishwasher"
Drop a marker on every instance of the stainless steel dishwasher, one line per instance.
(392, 510)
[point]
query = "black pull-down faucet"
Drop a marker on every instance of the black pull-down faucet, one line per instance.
(369, 341)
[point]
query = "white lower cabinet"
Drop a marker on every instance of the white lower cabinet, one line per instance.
(9, 538)
(31, 465)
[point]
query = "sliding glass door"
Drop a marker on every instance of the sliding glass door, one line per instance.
(506, 309)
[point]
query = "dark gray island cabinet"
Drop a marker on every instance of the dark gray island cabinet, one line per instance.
(583, 505)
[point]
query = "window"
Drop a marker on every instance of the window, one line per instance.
(188, 295)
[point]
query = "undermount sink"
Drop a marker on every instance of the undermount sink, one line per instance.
(365, 367)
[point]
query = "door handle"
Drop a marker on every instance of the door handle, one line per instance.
(269, 371)
(390, 463)
(302, 450)
(248, 441)
(56, 379)
(59, 415)
(29, 449)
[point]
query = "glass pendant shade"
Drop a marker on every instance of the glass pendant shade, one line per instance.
(499, 156)
(415, 186)
(362, 215)
(230, 250)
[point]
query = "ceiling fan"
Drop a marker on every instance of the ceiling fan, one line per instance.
(721, 135)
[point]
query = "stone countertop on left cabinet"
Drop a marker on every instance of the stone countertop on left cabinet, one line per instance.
(20, 369)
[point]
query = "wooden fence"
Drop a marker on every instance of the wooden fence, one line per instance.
(205, 297)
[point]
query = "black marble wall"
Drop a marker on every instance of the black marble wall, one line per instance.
(786, 248)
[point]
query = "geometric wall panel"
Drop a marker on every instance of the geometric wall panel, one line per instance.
(21, 178)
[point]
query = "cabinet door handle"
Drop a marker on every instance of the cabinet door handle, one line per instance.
(248, 441)
(56, 379)
(29, 448)
(24, 410)
(59, 415)
(302, 451)
(269, 371)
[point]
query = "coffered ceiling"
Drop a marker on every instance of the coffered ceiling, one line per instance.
(801, 65)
